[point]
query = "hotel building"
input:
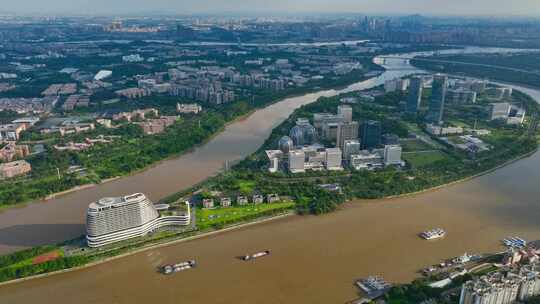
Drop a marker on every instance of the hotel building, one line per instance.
(114, 219)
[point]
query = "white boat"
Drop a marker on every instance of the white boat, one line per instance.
(514, 242)
(256, 255)
(172, 268)
(433, 234)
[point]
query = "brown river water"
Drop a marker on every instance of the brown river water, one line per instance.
(313, 260)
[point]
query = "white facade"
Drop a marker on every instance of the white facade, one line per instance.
(366, 160)
(392, 155)
(500, 288)
(333, 159)
(351, 147)
(438, 130)
(499, 110)
(103, 74)
(346, 112)
(110, 220)
(296, 161)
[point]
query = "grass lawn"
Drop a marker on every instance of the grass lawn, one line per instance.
(51, 255)
(422, 159)
(415, 145)
(208, 217)
(459, 123)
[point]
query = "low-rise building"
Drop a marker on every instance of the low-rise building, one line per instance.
(187, 108)
(258, 199)
(133, 93)
(11, 132)
(272, 198)
(208, 203)
(242, 200)
(366, 160)
(13, 169)
(12, 151)
(441, 131)
(158, 125)
(499, 110)
(225, 202)
(137, 114)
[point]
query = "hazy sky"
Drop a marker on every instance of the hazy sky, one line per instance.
(437, 7)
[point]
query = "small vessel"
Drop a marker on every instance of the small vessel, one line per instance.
(433, 234)
(514, 242)
(256, 255)
(172, 268)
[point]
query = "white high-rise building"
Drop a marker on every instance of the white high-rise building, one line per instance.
(114, 219)
(346, 131)
(351, 147)
(503, 288)
(346, 112)
(297, 161)
(392, 155)
(333, 159)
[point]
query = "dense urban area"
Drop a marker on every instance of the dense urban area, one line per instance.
(87, 100)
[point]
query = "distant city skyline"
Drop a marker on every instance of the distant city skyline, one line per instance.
(427, 7)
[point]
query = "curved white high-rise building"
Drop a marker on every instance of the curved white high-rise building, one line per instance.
(114, 219)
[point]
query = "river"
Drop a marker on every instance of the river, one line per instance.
(314, 259)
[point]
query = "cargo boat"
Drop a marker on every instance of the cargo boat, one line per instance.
(433, 234)
(256, 255)
(172, 268)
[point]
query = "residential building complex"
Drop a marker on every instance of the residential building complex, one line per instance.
(502, 287)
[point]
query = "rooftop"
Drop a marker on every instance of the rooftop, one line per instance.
(116, 201)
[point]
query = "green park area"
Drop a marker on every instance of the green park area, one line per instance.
(423, 159)
(218, 217)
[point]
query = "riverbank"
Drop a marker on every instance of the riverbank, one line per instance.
(509, 162)
(341, 83)
(476, 214)
(160, 243)
(153, 246)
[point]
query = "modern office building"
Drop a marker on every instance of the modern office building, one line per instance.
(333, 159)
(346, 131)
(438, 96)
(319, 119)
(499, 110)
(303, 133)
(392, 155)
(114, 219)
(460, 96)
(330, 130)
(350, 147)
(366, 160)
(345, 112)
(390, 139)
(371, 134)
(297, 136)
(396, 85)
(285, 144)
(415, 95)
(296, 161)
